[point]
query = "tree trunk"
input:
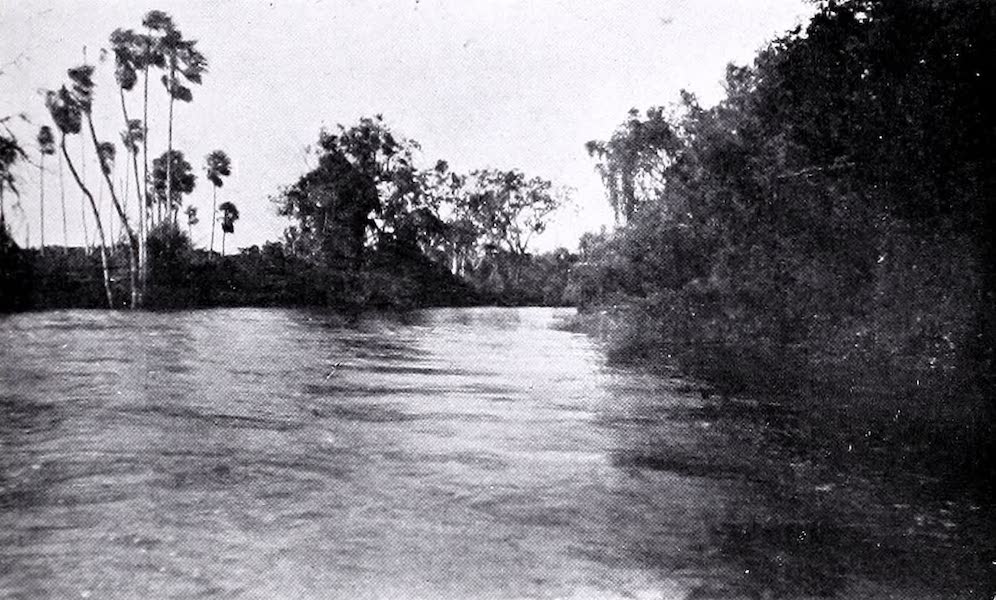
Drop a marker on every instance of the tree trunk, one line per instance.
(62, 195)
(86, 232)
(223, 234)
(214, 205)
(132, 239)
(141, 207)
(169, 139)
(41, 203)
(100, 229)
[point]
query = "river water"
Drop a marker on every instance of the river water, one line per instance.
(455, 453)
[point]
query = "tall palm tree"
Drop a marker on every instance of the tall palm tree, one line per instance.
(149, 54)
(46, 146)
(218, 165)
(130, 55)
(82, 78)
(66, 112)
(181, 59)
(229, 215)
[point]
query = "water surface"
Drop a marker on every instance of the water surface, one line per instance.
(464, 453)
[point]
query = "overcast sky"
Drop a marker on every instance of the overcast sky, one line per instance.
(484, 83)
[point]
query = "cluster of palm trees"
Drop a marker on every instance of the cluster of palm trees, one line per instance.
(161, 46)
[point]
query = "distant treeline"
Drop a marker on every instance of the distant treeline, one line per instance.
(181, 276)
(829, 222)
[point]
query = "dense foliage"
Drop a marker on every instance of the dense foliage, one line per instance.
(830, 219)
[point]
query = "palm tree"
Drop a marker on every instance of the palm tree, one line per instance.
(150, 55)
(229, 215)
(46, 146)
(82, 78)
(173, 175)
(67, 114)
(192, 220)
(181, 58)
(10, 153)
(217, 165)
(130, 55)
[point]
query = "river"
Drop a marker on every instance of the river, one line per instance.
(451, 453)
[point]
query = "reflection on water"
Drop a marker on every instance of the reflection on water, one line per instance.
(453, 454)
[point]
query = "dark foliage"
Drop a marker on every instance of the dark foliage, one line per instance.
(828, 223)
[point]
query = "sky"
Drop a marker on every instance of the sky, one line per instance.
(479, 83)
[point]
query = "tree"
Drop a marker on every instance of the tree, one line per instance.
(149, 55)
(632, 163)
(172, 179)
(62, 199)
(229, 215)
(46, 146)
(218, 166)
(10, 153)
(66, 112)
(364, 187)
(131, 53)
(183, 63)
(509, 208)
(191, 212)
(83, 87)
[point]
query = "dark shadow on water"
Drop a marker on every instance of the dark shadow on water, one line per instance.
(800, 518)
(366, 413)
(224, 421)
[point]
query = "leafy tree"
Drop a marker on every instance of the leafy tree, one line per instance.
(633, 162)
(46, 147)
(509, 208)
(229, 215)
(506, 208)
(217, 165)
(364, 187)
(181, 182)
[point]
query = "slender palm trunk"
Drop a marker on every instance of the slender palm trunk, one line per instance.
(169, 141)
(141, 205)
(100, 229)
(103, 213)
(132, 238)
(86, 232)
(214, 208)
(223, 234)
(145, 140)
(62, 196)
(41, 203)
